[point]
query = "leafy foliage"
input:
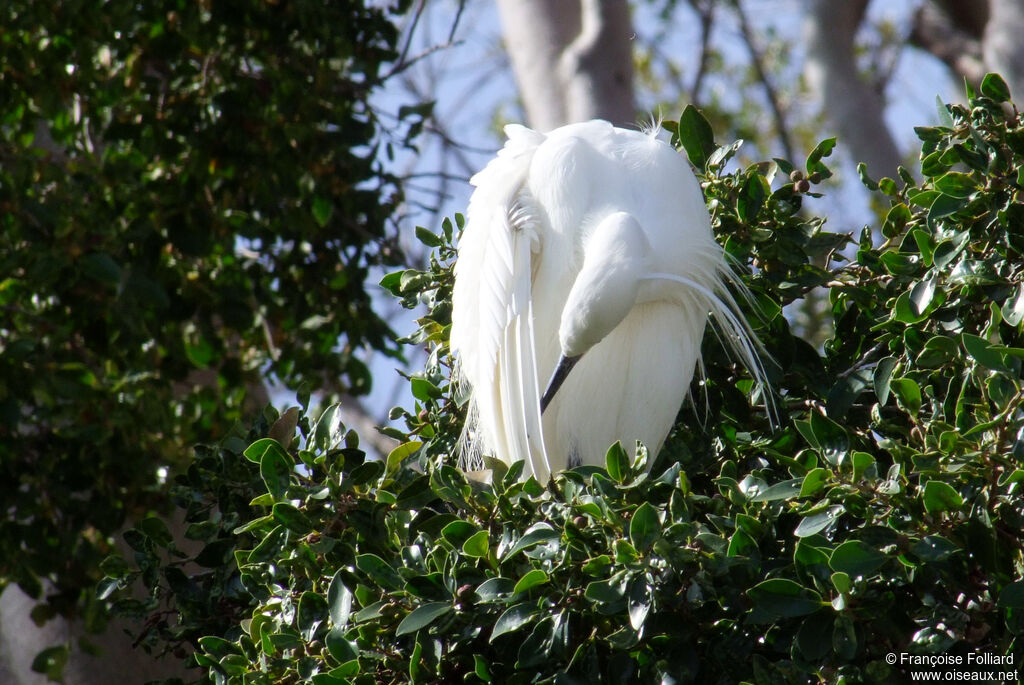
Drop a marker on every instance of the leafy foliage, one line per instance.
(175, 226)
(882, 515)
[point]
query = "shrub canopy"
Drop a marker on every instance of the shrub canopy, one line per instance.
(176, 225)
(882, 515)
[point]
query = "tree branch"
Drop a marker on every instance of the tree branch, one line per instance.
(762, 76)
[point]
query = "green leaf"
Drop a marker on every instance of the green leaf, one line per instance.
(932, 548)
(256, 450)
(883, 377)
(821, 150)
(494, 589)
(364, 474)
(422, 616)
(867, 181)
(908, 395)
(379, 570)
(458, 533)
(638, 602)
(1010, 597)
(856, 559)
(322, 210)
(825, 435)
(782, 598)
(428, 237)
(101, 267)
(696, 137)
(513, 619)
(1013, 308)
(538, 533)
(329, 432)
(956, 184)
(983, 353)
(813, 481)
(401, 453)
(617, 462)
(480, 668)
(530, 579)
(156, 530)
(51, 662)
(921, 296)
(276, 468)
(269, 546)
(339, 598)
(751, 198)
(841, 582)
(938, 351)
(292, 518)
(311, 614)
(787, 489)
(940, 496)
(974, 272)
(817, 522)
(644, 527)
(477, 545)
(607, 594)
(993, 86)
(597, 565)
(895, 220)
(943, 206)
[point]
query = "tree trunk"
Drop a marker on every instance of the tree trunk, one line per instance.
(852, 106)
(1002, 47)
(572, 59)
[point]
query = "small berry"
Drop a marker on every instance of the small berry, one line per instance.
(796, 175)
(802, 186)
(580, 521)
(815, 177)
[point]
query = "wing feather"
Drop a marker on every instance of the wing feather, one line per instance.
(492, 332)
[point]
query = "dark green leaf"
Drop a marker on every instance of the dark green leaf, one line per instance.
(883, 377)
(782, 598)
(339, 598)
(644, 527)
(529, 580)
(428, 237)
(817, 522)
(617, 463)
(993, 86)
(695, 135)
(856, 559)
(1012, 596)
(940, 496)
(639, 602)
(513, 619)
(787, 489)
(378, 570)
(292, 518)
(51, 662)
(538, 533)
(276, 470)
(423, 616)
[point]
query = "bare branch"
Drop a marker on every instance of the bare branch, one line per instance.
(706, 12)
(762, 76)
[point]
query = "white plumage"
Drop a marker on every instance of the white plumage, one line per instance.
(589, 240)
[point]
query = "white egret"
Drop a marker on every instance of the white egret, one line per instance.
(587, 258)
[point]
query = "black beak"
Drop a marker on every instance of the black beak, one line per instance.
(565, 365)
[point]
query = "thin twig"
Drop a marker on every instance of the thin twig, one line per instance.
(455, 23)
(707, 15)
(773, 99)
